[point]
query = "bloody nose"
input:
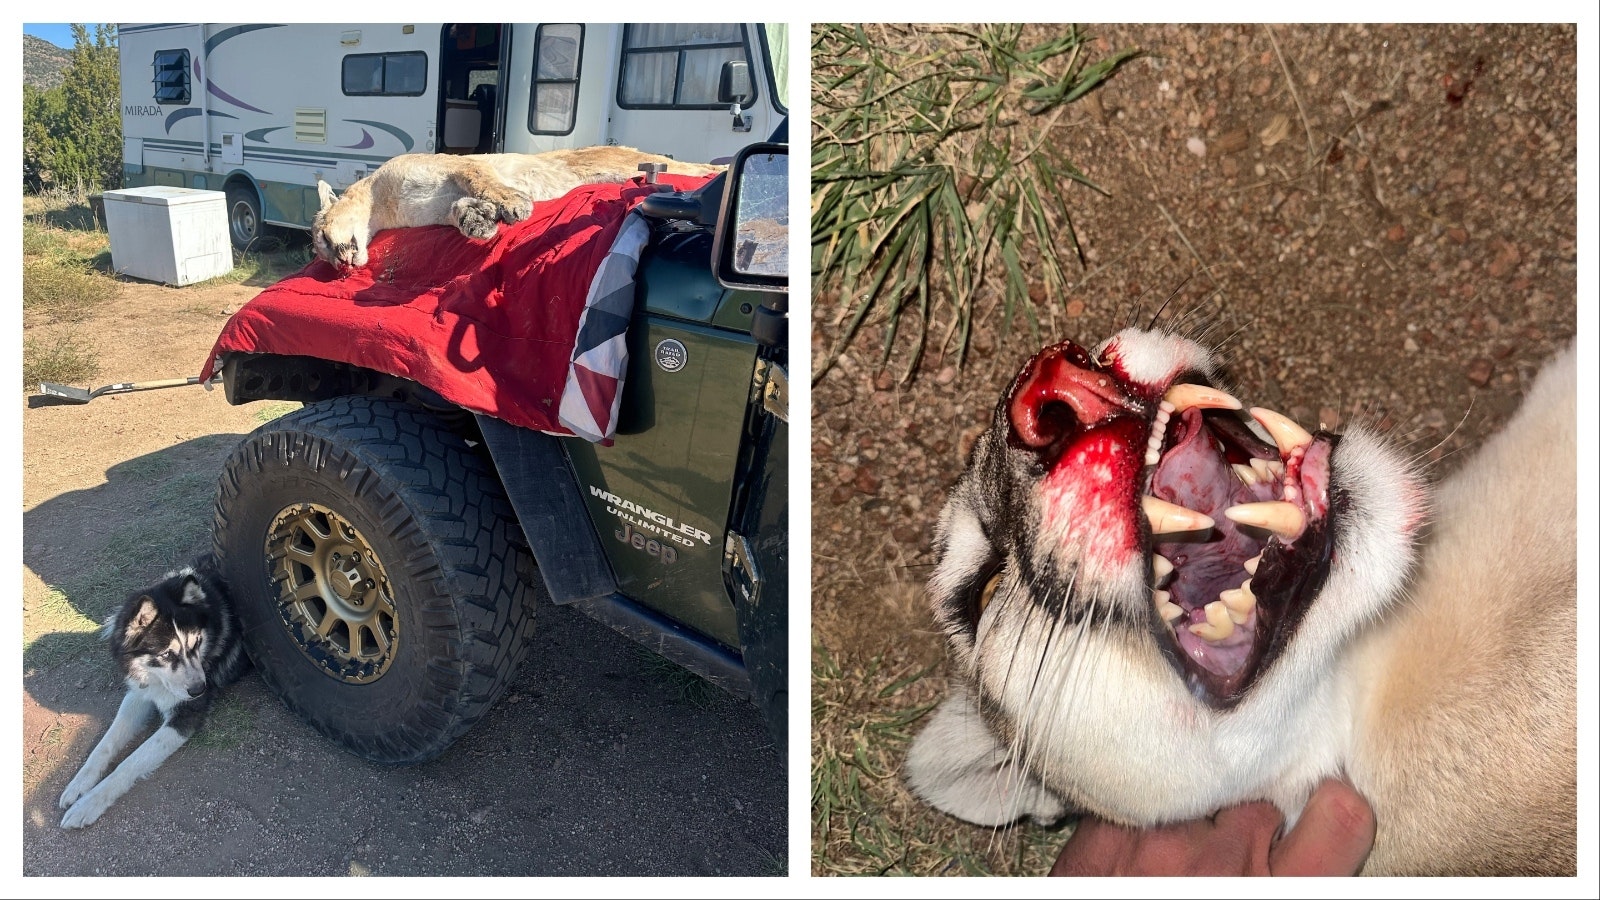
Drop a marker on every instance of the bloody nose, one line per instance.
(1060, 388)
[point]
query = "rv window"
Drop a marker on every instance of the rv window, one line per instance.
(677, 66)
(557, 57)
(172, 76)
(391, 74)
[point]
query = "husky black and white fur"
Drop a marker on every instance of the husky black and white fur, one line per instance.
(177, 644)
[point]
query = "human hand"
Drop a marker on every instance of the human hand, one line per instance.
(1332, 837)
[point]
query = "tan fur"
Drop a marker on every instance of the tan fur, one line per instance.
(1471, 715)
(471, 193)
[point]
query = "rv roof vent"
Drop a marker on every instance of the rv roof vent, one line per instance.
(349, 38)
(311, 126)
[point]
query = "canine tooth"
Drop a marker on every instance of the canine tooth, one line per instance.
(1217, 626)
(1277, 516)
(1160, 567)
(1263, 469)
(1285, 433)
(1251, 563)
(1240, 602)
(1183, 396)
(1166, 518)
(1246, 474)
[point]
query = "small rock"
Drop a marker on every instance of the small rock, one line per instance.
(1506, 260)
(1260, 86)
(1411, 345)
(1434, 418)
(1233, 141)
(1459, 235)
(907, 535)
(1456, 176)
(866, 482)
(1396, 233)
(945, 376)
(1230, 168)
(1480, 370)
(1196, 146)
(1074, 308)
(1036, 292)
(841, 494)
(883, 382)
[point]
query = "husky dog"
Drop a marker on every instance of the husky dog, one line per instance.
(1159, 605)
(471, 193)
(177, 644)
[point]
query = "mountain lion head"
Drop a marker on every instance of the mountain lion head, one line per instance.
(1144, 584)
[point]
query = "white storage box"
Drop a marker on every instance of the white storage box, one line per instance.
(173, 235)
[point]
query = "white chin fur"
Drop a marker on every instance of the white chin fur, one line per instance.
(958, 765)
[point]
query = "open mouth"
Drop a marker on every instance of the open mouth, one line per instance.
(1237, 530)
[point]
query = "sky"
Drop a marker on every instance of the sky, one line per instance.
(60, 35)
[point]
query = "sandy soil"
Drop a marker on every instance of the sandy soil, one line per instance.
(1379, 223)
(596, 761)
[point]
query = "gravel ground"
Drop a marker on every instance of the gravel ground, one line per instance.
(1379, 223)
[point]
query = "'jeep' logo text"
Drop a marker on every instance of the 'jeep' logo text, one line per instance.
(655, 548)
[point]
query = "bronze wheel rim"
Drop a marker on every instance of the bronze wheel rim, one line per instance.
(334, 596)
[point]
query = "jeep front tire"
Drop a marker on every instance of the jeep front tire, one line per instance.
(376, 568)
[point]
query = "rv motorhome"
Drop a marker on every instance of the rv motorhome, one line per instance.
(263, 112)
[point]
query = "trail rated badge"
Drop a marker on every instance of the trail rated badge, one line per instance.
(671, 355)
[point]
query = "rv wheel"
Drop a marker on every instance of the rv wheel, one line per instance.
(244, 216)
(374, 563)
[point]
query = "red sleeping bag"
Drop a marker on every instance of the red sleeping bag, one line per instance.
(526, 326)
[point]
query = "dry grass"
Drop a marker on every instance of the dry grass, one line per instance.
(864, 820)
(64, 357)
(877, 672)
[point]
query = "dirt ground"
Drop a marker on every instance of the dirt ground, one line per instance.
(1381, 224)
(597, 761)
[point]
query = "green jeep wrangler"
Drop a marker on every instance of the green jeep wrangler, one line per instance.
(384, 545)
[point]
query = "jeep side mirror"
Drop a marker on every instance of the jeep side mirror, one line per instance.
(734, 89)
(751, 246)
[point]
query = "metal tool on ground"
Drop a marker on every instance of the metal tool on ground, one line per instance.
(83, 395)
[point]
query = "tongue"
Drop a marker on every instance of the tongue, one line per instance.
(1194, 473)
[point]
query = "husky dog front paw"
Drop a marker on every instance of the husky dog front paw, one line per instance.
(81, 784)
(88, 810)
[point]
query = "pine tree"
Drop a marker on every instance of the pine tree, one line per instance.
(72, 134)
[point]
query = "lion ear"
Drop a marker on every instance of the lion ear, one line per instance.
(325, 193)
